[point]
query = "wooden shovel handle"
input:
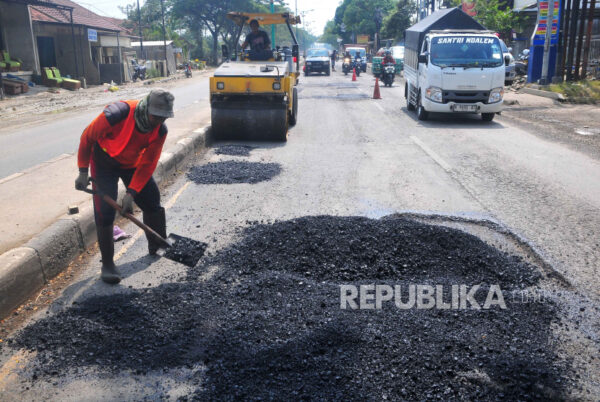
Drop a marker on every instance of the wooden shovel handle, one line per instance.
(129, 216)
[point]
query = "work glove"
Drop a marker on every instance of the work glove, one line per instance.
(81, 182)
(127, 204)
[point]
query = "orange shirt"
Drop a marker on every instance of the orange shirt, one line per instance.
(141, 152)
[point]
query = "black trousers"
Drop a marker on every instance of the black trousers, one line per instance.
(107, 179)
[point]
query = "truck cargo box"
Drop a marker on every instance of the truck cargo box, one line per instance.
(450, 18)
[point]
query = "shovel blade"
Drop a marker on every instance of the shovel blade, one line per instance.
(183, 250)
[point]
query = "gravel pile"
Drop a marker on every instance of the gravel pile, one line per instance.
(268, 324)
(234, 150)
(232, 172)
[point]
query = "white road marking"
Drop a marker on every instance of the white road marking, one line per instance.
(438, 159)
(379, 107)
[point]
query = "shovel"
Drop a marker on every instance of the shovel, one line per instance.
(177, 248)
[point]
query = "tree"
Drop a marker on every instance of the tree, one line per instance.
(395, 24)
(359, 15)
(496, 16)
(329, 34)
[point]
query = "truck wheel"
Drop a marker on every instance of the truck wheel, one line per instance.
(294, 115)
(487, 116)
(328, 73)
(422, 114)
(409, 106)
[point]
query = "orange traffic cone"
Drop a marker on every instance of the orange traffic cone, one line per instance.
(354, 74)
(376, 94)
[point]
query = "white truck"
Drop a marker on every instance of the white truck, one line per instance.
(451, 69)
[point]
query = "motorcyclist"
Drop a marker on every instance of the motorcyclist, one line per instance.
(388, 58)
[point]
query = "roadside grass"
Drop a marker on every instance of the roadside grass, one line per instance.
(578, 92)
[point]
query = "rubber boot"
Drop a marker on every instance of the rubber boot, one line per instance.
(109, 273)
(157, 221)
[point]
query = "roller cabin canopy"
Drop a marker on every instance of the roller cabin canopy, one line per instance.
(263, 18)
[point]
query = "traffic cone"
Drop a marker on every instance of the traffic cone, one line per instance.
(376, 94)
(354, 74)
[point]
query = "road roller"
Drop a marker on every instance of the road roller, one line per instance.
(253, 95)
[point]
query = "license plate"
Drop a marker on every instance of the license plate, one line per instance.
(465, 108)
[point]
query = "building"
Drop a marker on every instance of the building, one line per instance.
(91, 47)
(155, 50)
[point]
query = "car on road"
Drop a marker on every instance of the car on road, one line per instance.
(511, 70)
(317, 61)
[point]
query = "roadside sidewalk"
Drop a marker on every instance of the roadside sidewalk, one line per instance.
(38, 239)
(577, 126)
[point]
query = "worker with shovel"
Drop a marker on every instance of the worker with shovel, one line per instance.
(125, 141)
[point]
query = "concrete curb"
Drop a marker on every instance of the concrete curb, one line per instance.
(26, 269)
(545, 94)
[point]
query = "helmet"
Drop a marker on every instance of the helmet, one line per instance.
(388, 53)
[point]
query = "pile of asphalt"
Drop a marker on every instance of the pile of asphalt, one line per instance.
(268, 323)
(232, 172)
(234, 150)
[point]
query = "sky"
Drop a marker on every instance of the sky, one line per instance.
(318, 12)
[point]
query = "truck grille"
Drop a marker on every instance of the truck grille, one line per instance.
(465, 96)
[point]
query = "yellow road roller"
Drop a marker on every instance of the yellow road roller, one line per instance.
(252, 94)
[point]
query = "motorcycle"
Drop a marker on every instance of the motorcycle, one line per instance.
(388, 74)
(521, 63)
(346, 65)
(139, 71)
(188, 70)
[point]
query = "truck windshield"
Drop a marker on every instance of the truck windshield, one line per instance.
(466, 51)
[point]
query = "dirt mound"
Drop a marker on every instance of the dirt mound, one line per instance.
(232, 172)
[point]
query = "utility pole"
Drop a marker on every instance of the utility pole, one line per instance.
(588, 37)
(546, 60)
(162, 10)
(140, 26)
(272, 25)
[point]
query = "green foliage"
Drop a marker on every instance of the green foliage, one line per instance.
(359, 15)
(200, 26)
(396, 23)
(496, 16)
(329, 34)
(152, 73)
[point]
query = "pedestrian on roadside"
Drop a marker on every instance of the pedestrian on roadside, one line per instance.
(125, 142)
(333, 59)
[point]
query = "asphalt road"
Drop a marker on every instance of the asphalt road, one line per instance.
(349, 155)
(22, 148)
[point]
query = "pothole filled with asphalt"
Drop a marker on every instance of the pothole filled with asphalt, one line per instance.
(268, 324)
(234, 150)
(232, 172)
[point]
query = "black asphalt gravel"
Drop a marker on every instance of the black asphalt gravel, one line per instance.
(234, 150)
(231, 172)
(268, 323)
(186, 251)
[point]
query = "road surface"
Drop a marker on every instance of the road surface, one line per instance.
(260, 323)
